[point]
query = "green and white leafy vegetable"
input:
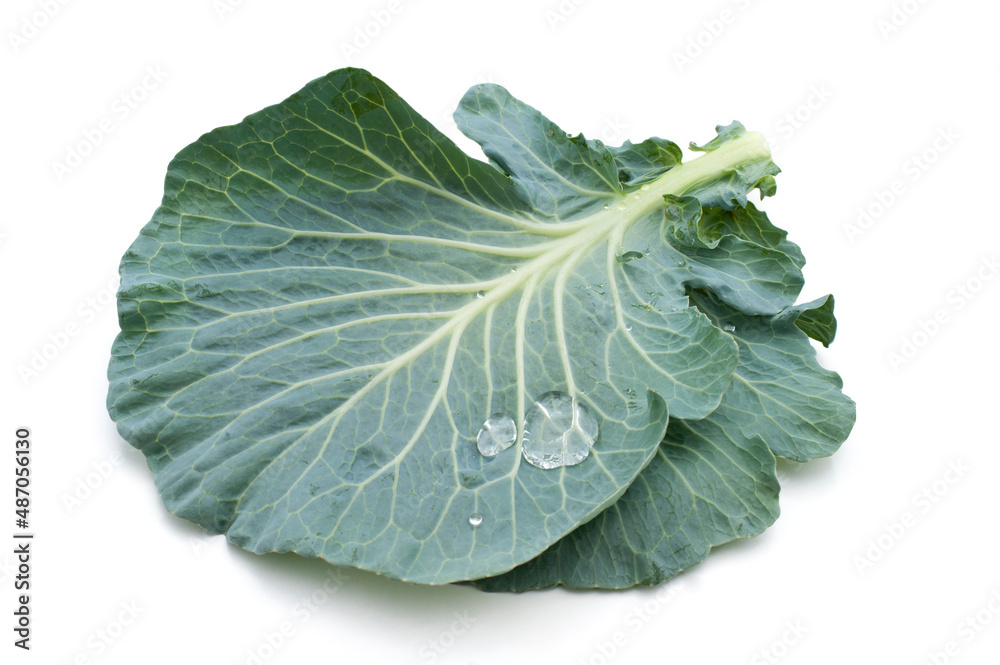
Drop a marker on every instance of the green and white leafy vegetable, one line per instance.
(712, 480)
(343, 337)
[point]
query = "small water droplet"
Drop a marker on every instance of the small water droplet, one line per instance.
(496, 435)
(513, 269)
(637, 196)
(729, 327)
(621, 206)
(475, 519)
(645, 188)
(481, 294)
(628, 326)
(606, 206)
(682, 263)
(558, 431)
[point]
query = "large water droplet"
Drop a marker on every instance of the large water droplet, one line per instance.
(558, 431)
(729, 327)
(496, 435)
(475, 519)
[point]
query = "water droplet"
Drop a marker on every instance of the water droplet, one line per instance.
(621, 206)
(645, 188)
(475, 519)
(481, 294)
(558, 431)
(628, 326)
(682, 263)
(637, 196)
(513, 269)
(729, 327)
(606, 206)
(496, 435)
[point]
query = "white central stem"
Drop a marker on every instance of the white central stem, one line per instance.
(749, 148)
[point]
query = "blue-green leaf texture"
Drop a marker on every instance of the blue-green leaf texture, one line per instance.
(332, 298)
(713, 480)
(816, 319)
(643, 162)
(779, 390)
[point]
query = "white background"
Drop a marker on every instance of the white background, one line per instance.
(848, 98)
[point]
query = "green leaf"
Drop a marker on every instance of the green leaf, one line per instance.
(733, 253)
(643, 162)
(702, 489)
(713, 480)
(752, 225)
(780, 389)
(332, 299)
(559, 175)
(816, 320)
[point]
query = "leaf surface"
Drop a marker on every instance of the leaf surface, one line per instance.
(712, 480)
(332, 298)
